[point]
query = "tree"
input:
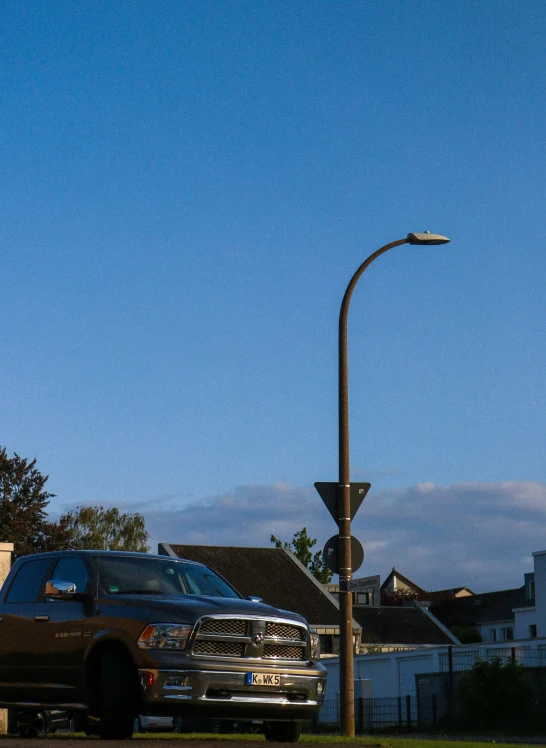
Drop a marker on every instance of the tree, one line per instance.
(23, 500)
(301, 548)
(97, 528)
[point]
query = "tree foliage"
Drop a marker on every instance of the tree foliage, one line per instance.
(97, 528)
(301, 548)
(399, 598)
(23, 502)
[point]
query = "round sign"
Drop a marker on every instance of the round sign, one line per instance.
(331, 554)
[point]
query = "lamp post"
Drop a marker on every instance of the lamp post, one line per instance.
(344, 502)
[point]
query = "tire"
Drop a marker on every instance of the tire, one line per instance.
(282, 732)
(137, 726)
(118, 697)
(178, 725)
(82, 723)
(30, 724)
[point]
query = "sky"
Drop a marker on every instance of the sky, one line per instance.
(186, 189)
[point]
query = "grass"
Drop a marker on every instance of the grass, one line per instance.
(377, 742)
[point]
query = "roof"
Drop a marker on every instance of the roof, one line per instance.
(264, 572)
(397, 625)
(478, 609)
(452, 592)
(402, 578)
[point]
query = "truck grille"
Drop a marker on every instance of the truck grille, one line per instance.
(218, 649)
(265, 639)
(281, 652)
(223, 626)
(275, 630)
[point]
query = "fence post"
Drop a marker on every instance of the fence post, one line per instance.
(360, 713)
(408, 711)
(450, 690)
(399, 711)
(434, 710)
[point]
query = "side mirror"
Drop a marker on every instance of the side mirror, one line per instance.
(57, 589)
(255, 599)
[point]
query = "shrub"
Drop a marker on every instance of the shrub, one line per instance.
(494, 694)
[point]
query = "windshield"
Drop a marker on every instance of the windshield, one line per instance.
(153, 576)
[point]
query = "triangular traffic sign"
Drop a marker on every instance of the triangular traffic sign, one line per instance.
(328, 493)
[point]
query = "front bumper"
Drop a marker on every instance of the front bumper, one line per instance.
(226, 694)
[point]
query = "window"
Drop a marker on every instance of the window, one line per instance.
(362, 598)
(532, 631)
(72, 569)
(507, 633)
(326, 643)
(493, 635)
(149, 576)
(28, 581)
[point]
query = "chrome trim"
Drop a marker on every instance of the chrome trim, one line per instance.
(252, 642)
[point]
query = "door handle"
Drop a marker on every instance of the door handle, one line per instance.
(41, 618)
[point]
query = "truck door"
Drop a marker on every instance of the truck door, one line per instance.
(60, 626)
(21, 650)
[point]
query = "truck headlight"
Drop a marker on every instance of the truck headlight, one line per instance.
(165, 636)
(314, 640)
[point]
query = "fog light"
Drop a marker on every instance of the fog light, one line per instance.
(320, 688)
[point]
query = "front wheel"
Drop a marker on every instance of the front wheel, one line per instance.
(282, 732)
(30, 724)
(118, 697)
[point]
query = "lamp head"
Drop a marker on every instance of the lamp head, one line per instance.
(427, 238)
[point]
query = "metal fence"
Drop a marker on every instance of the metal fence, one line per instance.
(465, 658)
(372, 714)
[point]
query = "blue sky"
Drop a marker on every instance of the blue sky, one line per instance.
(187, 189)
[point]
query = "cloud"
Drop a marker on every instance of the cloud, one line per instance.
(480, 535)
(249, 515)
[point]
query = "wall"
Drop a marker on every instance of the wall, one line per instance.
(524, 617)
(6, 550)
(539, 558)
(393, 674)
(500, 629)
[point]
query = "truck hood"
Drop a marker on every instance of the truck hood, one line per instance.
(188, 608)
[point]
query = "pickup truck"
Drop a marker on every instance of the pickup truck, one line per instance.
(111, 635)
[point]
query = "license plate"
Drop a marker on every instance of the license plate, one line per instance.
(263, 679)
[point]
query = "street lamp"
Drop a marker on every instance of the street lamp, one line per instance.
(344, 502)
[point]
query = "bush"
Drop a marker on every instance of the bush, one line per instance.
(494, 694)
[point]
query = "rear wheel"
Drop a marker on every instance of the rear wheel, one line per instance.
(30, 724)
(178, 725)
(282, 732)
(118, 697)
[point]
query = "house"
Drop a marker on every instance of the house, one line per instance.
(490, 613)
(280, 579)
(397, 583)
(503, 615)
